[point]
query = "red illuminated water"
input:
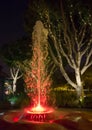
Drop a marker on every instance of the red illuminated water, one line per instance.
(38, 80)
(31, 116)
(38, 114)
(38, 109)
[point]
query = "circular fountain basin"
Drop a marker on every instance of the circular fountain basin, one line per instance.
(28, 116)
(38, 114)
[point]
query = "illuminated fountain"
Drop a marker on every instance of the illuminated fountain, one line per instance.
(38, 114)
(37, 79)
(38, 84)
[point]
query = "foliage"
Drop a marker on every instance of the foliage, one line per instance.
(15, 53)
(4, 105)
(18, 100)
(52, 98)
(87, 103)
(13, 98)
(66, 99)
(69, 30)
(64, 87)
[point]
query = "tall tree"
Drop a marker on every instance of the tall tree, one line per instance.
(74, 44)
(70, 37)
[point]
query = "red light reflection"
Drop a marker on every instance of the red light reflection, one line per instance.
(38, 109)
(38, 113)
(15, 119)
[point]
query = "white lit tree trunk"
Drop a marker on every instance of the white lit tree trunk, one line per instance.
(14, 76)
(79, 87)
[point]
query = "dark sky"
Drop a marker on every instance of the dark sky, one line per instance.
(11, 19)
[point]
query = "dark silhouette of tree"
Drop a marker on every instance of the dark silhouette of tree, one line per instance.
(3, 76)
(15, 53)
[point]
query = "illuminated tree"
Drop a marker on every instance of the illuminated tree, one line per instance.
(74, 44)
(15, 76)
(70, 38)
(37, 77)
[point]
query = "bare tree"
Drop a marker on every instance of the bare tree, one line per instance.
(15, 76)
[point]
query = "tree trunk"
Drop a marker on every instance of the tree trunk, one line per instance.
(79, 88)
(14, 85)
(80, 93)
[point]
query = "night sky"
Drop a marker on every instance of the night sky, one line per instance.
(11, 20)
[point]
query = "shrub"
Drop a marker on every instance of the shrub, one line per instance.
(66, 99)
(87, 103)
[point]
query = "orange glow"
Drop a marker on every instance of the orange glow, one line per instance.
(38, 108)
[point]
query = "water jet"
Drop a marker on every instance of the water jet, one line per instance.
(37, 79)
